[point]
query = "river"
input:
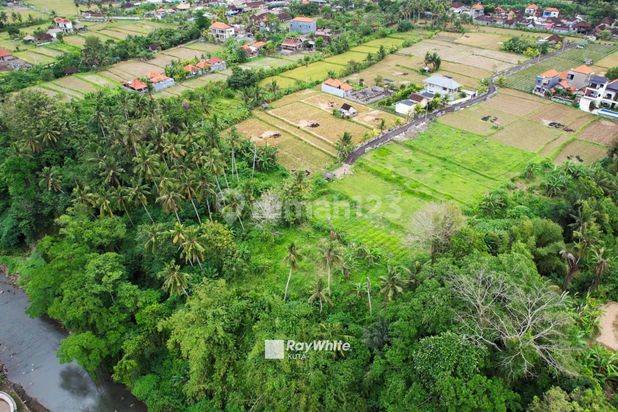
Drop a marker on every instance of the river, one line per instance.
(28, 351)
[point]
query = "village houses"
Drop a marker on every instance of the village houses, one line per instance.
(221, 31)
(303, 25)
(336, 87)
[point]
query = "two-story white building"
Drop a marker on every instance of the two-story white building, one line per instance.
(63, 24)
(303, 25)
(600, 94)
(221, 31)
(442, 85)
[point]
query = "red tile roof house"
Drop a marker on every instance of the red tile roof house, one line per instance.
(136, 85)
(477, 10)
(5, 55)
(291, 45)
(546, 81)
(253, 50)
(192, 70)
(550, 12)
(215, 64)
(64, 24)
(221, 31)
(160, 81)
(336, 87)
(531, 9)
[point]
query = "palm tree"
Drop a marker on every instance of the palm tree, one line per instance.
(192, 249)
(601, 266)
(331, 255)
(319, 295)
(50, 180)
(147, 164)
(432, 60)
(169, 197)
(175, 281)
(139, 193)
(153, 236)
(234, 141)
(188, 188)
(293, 258)
(391, 284)
(234, 205)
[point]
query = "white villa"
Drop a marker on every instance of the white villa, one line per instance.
(442, 85)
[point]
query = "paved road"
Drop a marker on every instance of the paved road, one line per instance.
(419, 121)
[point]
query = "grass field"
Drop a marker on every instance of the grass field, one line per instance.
(388, 186)
(61, 7)
(524, 79)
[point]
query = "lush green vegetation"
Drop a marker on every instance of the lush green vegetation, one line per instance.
(172, 252)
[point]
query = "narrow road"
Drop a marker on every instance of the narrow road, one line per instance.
(419, 121)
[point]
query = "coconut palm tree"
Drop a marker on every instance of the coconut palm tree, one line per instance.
(192, 250)
(139, 193)
(293, 258)
(332, 255)
(234, 205)
(391, 284)
(175, 281)
(169, 197)
(319, 295)
(601, 266)
(189, 190)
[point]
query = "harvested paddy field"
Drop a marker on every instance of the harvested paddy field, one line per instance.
(306, 117)
(533, 124)
(395, 69)
(477, 58)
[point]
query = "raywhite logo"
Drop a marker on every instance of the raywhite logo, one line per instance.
(275, 349)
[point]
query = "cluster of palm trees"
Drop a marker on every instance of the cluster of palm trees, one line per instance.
(335, 256)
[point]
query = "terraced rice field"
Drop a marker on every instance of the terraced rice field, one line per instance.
(306, 147)
(320, 70)
(375, 204)
(473, 57)
(522, 120)
(524, 79)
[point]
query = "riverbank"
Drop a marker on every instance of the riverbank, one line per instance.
(24, 402)
(28, 351)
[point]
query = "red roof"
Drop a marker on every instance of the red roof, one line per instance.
(290, 42)
(4, 53)
(203, 64)
(583, 69)
(213, 60)
(259, 44)
(189, 68)
(532, 6)
(61, 20)
(551, 9)
(157, 77)
(550, 73)
(477, 6)
(136, 84)
(302, 19)
(338, 84)
(220, 26)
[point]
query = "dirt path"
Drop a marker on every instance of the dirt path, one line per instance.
(608, 326)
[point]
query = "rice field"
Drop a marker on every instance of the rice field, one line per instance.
(375, 204)
(61, 7)
(306, 129)
(524, 80)
(523, 121)
(474, 57)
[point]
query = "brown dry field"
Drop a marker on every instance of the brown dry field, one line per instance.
(398, 68)
(489, 60)
(293, 152)
(587, 151)
(601, 131)
(608, 61)
(330, 127)
(366, 115)
(491, 41)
